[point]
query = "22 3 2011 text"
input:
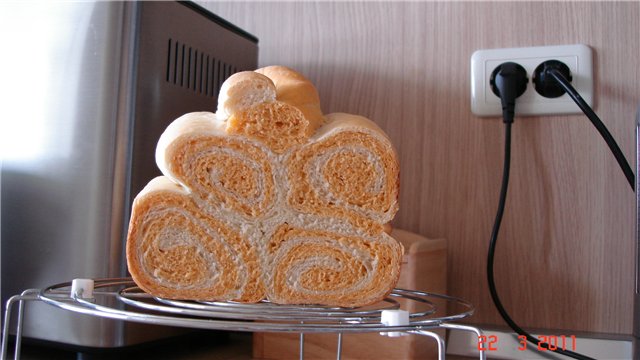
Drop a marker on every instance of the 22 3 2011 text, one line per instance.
(546, 342)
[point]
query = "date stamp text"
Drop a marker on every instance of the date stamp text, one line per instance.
(545, 343)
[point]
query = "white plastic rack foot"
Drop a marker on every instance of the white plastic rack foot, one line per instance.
(91, 297)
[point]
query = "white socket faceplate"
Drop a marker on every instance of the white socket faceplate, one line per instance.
(578, 57)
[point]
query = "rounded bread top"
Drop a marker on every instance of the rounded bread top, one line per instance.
(246, 89)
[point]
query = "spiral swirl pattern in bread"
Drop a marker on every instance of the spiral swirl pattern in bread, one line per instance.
(268, 199)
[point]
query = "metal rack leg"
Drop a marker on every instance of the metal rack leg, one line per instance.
(338, 352)
(20, 299)
(19, 329)
(5, 327)
(441, 348)
(301, 346)
(472, 329)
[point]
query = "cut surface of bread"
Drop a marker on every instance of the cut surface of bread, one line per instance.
(269, 199)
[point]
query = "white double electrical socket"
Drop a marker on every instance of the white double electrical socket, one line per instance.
(577, 57)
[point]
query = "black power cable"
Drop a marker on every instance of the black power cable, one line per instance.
(595, 120)
(506, 81)
(490, 257)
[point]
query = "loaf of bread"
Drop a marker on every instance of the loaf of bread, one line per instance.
(268, 199)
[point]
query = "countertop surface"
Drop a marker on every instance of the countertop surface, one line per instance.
(196, 346)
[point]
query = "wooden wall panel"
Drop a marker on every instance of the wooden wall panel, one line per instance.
(565, 255)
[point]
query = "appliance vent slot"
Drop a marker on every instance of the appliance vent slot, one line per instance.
(196, 70)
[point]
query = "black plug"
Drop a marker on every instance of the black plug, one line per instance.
(546, 84)
(508, 81)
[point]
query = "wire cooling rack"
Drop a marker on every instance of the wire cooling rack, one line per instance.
(402, 312)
